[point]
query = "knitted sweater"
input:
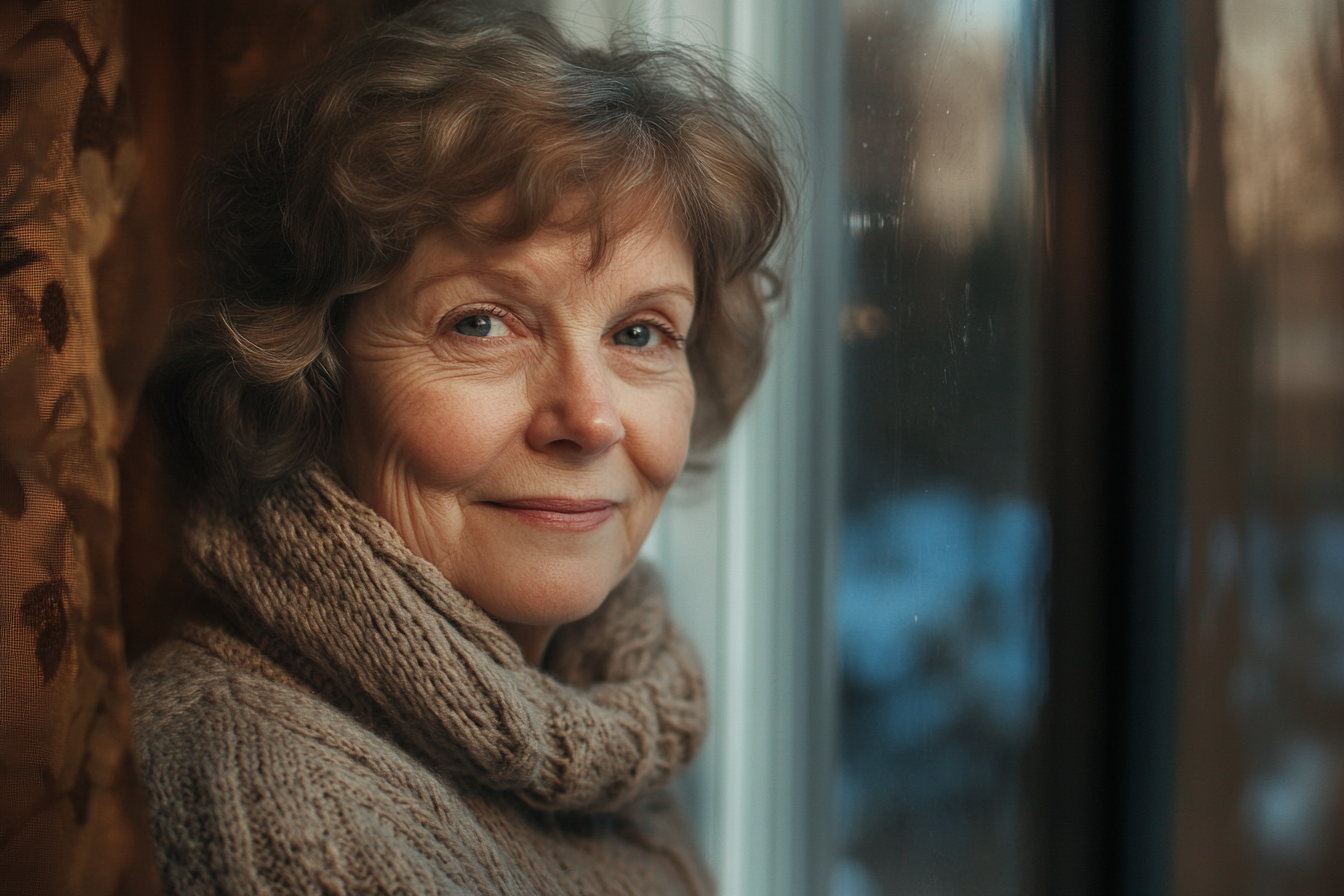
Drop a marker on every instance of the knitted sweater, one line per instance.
(351, 723)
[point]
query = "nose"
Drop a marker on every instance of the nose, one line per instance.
(574, 412)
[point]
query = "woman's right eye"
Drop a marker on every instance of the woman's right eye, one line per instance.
(481, 326)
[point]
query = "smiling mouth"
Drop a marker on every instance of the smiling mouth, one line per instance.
(559, 513)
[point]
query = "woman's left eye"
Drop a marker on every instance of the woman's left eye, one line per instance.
(637, 336)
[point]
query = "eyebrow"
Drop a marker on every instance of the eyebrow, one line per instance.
(671, 289)
(513, 281)
(526, 286)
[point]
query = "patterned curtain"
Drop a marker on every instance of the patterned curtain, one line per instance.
(103, 103)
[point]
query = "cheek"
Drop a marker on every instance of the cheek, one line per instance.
(435, 430)
(445, 444)
(658, 433)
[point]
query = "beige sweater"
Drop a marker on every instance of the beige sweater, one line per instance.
(352, 724)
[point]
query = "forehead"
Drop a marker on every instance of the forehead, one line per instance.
(597, 217)
(652, 258)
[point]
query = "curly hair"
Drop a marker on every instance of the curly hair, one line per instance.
(330, 181)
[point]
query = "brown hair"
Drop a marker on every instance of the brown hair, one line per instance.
(411, 126)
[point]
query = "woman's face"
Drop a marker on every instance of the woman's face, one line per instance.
(518, 418)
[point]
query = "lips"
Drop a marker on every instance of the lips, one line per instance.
(559, 513)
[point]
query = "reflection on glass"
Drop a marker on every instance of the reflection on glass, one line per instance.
(944, 541)
(1262, 776)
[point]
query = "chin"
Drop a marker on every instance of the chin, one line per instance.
(547, 595)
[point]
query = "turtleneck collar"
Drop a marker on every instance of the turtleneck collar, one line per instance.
(328, 590)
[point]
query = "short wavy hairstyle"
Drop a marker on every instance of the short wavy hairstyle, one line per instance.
(328, 183)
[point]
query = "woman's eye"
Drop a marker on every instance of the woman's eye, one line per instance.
(481, 326)
(636, 336)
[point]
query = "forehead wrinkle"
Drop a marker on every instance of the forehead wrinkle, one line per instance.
(675, 290)
(516, 282)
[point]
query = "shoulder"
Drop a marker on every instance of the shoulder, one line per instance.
(193, 708)
(257, 786)
(211, 677)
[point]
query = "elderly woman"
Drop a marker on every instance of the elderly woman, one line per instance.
(473, 294)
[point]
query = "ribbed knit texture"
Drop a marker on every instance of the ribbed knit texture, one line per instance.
(352, 723)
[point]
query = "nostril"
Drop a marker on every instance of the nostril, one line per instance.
(576, 431)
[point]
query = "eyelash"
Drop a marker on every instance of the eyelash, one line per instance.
(450, 321)
(676, 338)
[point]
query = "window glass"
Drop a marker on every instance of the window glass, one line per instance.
(1261, 797)
(944, 540)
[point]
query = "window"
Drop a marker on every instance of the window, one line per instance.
(1023, 573)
